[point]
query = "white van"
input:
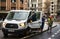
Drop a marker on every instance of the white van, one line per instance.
(20, 22)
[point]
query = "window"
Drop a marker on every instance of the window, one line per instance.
(17, 15)
(52, 9)
(51, 12)
(13, 8)
(3, 8)
(52, 2)
(33, 16)
(21, 1)
(13, 1)
(52, 6)
(3, 0)
(38, 15)
(32, 5)
(21, 8)
(35, 5)
(28, 4)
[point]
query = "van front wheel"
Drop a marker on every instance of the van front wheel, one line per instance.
(5, 34)
(29, 30)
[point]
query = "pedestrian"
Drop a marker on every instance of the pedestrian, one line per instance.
(43, 21)
(32, 18)
(50, 22)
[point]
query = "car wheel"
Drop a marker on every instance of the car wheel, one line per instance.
(28, 30)
(5, 34)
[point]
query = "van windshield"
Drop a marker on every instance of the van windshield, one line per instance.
(17, 15)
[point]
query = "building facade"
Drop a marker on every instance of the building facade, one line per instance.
(7, 5)
(53, 7)
(58, 10)
(35, 5)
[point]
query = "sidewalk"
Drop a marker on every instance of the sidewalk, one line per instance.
(46, 25)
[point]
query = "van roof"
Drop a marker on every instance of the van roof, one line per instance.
(20, 10)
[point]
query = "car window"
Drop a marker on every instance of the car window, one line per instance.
(38, 15)
(34, 16)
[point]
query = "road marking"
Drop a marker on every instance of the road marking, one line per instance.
(49, 38)
(53, 35)
(57, 31)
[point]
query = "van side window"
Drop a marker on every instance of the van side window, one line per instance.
(34, 17)
(29, 18)
(38, 15)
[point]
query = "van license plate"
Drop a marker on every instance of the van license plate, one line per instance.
(11, 30)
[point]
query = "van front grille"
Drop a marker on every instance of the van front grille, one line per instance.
(9, 25)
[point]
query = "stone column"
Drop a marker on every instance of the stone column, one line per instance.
(37, 6)
(25, 4)
(18, 4)
(0, 4)
(8, 4)
(45, 5)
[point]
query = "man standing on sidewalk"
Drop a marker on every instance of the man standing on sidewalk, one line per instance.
(50, 22)
(43, 21)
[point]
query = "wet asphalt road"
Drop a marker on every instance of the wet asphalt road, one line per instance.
(55, 34)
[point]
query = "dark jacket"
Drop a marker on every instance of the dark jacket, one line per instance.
(43, 19)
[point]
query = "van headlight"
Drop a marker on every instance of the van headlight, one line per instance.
(22, 24)
(4, 24)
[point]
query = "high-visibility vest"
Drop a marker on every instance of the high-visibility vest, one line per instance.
(49, 20)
